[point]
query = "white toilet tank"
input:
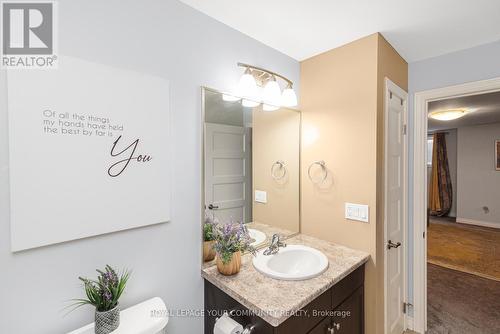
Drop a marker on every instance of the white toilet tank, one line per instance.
(148, 317)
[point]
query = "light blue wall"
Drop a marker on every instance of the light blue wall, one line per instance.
(164, 38)
(478, 63)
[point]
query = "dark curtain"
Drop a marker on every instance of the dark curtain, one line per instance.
(440, 188)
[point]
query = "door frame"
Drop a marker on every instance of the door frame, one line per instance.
(419, 216)
(391, 86)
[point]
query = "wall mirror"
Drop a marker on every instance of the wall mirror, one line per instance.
(251, 160)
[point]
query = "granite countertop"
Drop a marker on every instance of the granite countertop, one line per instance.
(276, 300)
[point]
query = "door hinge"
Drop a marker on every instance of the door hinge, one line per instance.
(404, 129)
(406, 307)
(423, 235)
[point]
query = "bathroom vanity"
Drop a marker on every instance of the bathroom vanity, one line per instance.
(332, 302)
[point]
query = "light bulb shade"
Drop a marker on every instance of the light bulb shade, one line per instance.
(288, 98)
(448, 115)
(247, 87)
(268, 107)
(249, 103)
(272, 93)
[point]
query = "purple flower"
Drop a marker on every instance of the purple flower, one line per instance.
(107, 296)
(230, 238)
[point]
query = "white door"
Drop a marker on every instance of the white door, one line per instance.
(395, 208)
(227, 172)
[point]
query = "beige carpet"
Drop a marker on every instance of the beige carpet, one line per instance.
(467, 248)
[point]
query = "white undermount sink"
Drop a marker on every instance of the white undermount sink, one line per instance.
(292, 263)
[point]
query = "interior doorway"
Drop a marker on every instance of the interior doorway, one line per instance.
(452, 290)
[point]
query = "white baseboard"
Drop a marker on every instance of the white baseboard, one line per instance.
(477, 222)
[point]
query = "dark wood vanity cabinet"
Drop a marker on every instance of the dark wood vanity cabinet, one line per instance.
(339, 310)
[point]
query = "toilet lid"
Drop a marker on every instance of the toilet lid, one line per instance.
(148, 317)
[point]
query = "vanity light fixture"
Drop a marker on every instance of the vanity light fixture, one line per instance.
(448, 114)
(249, 103)
(258, 85)
(247, 87)
(230, 98)
(288, 98)
(268, 107)
(272, 92)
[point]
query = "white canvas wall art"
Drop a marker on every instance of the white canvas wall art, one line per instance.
(89, 152)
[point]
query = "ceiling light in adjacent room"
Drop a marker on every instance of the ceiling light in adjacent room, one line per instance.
(448, 114)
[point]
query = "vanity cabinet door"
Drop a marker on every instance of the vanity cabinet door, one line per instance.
(308, 317)
(347, 286)
(324, 327)
(348, 317)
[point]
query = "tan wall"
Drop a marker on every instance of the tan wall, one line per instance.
(340, 103)
(276, 136)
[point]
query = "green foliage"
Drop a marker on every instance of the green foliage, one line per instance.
(209, 228)
(104, 292)
(231, 238)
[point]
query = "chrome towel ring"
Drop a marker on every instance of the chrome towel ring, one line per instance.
(322, 164)
(275, 168)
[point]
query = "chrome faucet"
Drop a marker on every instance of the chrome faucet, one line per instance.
(275, 245)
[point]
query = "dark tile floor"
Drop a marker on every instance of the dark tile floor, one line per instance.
(461, 303)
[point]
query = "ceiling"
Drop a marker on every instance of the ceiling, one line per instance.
(486, 106)
(418, 29)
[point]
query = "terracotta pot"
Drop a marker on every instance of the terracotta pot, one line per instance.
(232, 267)
(208, 250)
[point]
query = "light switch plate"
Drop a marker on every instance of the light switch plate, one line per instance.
(357, 212)
(260, 196)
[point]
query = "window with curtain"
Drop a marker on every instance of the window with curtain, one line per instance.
(430, 143)
(440, 188)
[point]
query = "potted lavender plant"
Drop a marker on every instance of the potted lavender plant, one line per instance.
(209, 238)
(104, 294)
(230, 240)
